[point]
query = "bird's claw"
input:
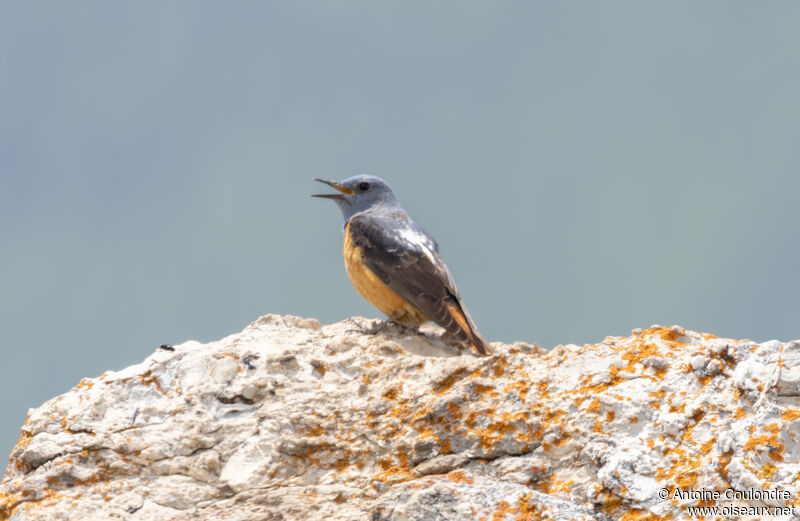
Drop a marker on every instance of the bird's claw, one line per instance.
(381, 326)
(378, 326)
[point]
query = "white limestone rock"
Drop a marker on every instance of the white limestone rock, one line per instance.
(291, 420)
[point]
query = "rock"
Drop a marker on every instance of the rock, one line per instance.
(310, 323)
(461, 496)
(291, 420)
(440, 464)
(789, 380)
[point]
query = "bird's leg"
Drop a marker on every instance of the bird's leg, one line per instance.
(380, 325)
(376, 327)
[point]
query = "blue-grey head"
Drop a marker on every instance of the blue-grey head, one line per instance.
(359, 194)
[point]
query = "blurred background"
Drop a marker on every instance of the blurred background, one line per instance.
(587, 168)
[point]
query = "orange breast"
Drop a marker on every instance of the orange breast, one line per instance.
(373, 289)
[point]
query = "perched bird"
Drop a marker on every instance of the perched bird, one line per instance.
(395, 264)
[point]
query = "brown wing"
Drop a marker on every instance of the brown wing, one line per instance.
(407, 260)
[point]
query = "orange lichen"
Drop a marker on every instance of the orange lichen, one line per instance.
(459, 477)
(521, 387)
(591, 389)
(508, 423)
(687, 480)
(454, 409)
(769, 443)
(640, 352)
(318, 365)
(637, 514)
(524, 510)
(767, 471)
(499, 366)
(541, 386)
(479, 390)
(551, 484)
(148, 379)
(503, 508)
(670, 334)
(447, 382)
(316, 430)
(85, 382)
(681, 408)
(391, 393)
(696, 417)
(561, 486)
(610, 501)
(594, 406)
(547, 419)
(790, 414)
(394, 469)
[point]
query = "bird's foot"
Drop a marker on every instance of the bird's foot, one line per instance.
(379, 326)
(382, 326)
(376, 327)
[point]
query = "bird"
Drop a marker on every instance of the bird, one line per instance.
(395, 264)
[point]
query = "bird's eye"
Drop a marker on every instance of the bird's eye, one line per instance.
(363, 187)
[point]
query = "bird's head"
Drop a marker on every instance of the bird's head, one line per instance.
(359, 193)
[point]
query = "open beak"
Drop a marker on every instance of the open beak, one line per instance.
(345, 191)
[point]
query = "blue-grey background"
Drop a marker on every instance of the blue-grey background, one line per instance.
(586, 167)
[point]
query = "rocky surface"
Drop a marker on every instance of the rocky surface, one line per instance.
(290, 420)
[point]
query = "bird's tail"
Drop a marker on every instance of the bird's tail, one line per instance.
(468, 332)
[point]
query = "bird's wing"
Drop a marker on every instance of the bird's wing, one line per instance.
(407, 260)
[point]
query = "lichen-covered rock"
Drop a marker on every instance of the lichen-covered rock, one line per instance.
(292, 420)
